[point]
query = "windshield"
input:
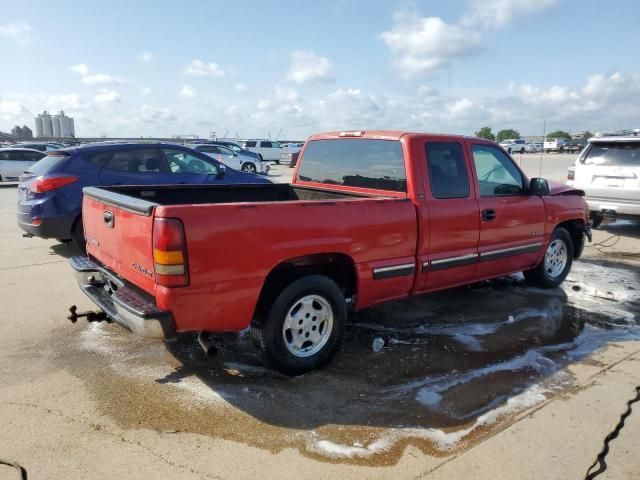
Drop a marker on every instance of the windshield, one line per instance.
(364, 163)
(614, 153)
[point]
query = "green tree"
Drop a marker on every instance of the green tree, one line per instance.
(485, 132)
(507, 133)
(559, 134)
(587, 134)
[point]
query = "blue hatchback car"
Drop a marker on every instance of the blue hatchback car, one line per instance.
(50, 192)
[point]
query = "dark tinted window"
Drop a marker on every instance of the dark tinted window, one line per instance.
(355, 163)
(614, 153)
(146, 160)
(33, 155)
(447, 170)
(497, 174)
(266, 145)
(250, 144)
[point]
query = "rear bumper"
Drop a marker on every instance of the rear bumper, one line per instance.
(614, 206)
(49, 228)
(136, 311)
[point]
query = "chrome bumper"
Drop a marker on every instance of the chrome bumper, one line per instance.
(137, 312)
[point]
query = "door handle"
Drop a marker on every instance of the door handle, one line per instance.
(488, 215)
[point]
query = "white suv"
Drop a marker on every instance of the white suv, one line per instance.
(268, 150)
(608, 170)
(514, 145)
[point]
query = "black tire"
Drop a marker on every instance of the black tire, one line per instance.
(249, 168)
(269, 336)
(522, 150)
(596, 219)
(540, 275)
(278, 162)
(77, 234)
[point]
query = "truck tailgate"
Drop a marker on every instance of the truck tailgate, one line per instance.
(120, 238)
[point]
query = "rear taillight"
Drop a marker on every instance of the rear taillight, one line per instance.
(571, 173)
(170, 253)
(46, 184)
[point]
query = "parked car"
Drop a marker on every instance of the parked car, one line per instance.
(42, 147)
(290, 158)
(553, 144)
(533, 147)
(608, 170)
(364, 221)
(266, 149)
(238, 161)
(231, 145)
(573, 146)
(50, 192)
(513, 145)
(14, 161)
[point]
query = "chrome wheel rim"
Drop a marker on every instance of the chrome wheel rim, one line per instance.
(307, 326)
(249, 168)
(556, 258)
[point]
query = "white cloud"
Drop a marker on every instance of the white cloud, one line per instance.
(67, 101)
(146, 91)
(145, 57)
(18, 32)
(187, 92)
(240, 87)
(423, 45)
(307, 66)
(201, 69)
(80, 69)
(107, 96)
(13, 111)
(492, 14)
(286, 94)
(93, 78)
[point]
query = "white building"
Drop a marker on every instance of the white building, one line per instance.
(54, 126)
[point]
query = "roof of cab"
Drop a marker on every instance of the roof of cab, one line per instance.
(379, 135)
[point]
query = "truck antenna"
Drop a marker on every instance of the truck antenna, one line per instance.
(544, 132)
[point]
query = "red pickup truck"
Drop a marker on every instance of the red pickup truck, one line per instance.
(369, 217)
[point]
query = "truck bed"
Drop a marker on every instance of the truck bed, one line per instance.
(141, 199)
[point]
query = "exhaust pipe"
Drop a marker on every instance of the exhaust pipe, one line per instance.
(209, 348)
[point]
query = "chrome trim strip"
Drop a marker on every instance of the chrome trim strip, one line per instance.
(502, 251)
(394, 267)
(442, 261)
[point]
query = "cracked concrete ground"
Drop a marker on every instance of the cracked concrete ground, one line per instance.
(54, 422)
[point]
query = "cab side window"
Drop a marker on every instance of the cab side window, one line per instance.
(497, 174)
(448, 175)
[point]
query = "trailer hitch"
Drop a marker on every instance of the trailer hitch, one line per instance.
(90, 316)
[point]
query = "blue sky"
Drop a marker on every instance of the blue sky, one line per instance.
(161, 68)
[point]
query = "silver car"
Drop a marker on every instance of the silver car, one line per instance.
(232, 159)
(608, 170)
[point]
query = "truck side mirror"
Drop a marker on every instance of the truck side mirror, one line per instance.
(539, 187)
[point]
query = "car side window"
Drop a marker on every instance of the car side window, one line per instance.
(181, 161)
(4, 155)
(33, 156)
(145, 160)
(448, 175)
(250, 144)
(497, 174)
(265, 144)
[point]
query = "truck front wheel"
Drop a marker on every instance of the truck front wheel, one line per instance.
(304, 326)
(557, 261)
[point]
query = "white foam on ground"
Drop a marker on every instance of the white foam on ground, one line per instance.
(441, 439)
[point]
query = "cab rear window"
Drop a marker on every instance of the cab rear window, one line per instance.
(363, 163)
(614, 153)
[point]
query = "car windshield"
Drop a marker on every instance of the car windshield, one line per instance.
(614, 153)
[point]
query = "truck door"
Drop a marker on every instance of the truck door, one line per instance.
(511, 221)
(448, 247)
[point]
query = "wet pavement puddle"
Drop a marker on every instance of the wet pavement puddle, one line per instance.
(455, 366)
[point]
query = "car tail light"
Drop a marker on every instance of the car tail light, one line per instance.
(36, 221)
(170, 253)
(41, 185)
(571, 174)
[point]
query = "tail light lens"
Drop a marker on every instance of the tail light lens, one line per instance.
(571, 174)
(46, 184)
(170, 253)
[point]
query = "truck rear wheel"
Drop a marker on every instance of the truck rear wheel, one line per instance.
(555, 266)
(304, 326)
